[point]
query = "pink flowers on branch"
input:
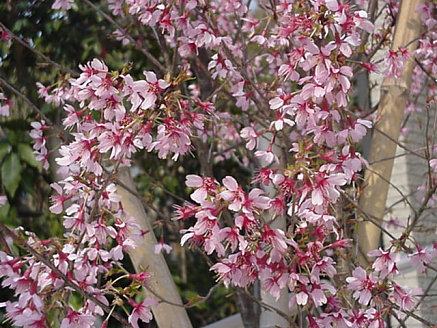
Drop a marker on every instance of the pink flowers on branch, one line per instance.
(282, 105)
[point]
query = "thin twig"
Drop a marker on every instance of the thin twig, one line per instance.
(266, 306)
(202, 299)
(145, 51)
(367, 217)
(434, 79)
(67, 281)
(399, 144)
(404, 198)
(413, 315)
(394, 157)
(37, 52)
(425, 294)
(26, 99)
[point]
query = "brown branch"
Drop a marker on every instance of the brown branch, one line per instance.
(37, 52)
(202, 299)
(395, 156)
(372, 220)
(404, 197)
(434, 79)
(399, 320)
(145, 51)
(399, 144)
(413, 315)
(266, 306)
(422, 208)
(425, 294)
(67, 281)
(26, 99)
(369, 218)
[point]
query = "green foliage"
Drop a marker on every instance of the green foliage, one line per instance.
(26, 154)
(11, 173)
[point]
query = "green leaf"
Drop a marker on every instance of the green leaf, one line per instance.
(26, 154)
(11, 173)
(28, 183)
(16, 124)
(75, 300)
(170, 183)
(4, 150)
(4, 211)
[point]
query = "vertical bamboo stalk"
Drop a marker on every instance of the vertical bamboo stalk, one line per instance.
(166, 315)
(394, 95)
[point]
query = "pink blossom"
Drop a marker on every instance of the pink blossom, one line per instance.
(233, 194)
(362, 284)
(141, 311)
(395, 62)
(62, 4)
(77, 320)
(326, 188)
(204, 187)
(141, 276)
(267, 156)
(21, 315)
(154, 88)
(172, 138)
(385, 262)
(160, 246)
(58, 201)
(252, 137)
(292, 89)
(254, 201)
(405, 299)
(325, 265)
(273, 283)
(433, 164)
(422, 257)
(332, 5)
(37, 134)
(4, 105)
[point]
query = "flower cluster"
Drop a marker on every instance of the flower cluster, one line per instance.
(4, 105)
(279, 86)
(115, 116)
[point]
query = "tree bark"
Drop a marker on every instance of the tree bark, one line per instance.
(144, 257)
(394, 95)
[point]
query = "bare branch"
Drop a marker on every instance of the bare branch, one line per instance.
(144, 50)
(26, 99)
(37, 52)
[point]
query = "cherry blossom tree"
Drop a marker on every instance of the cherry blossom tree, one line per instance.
(266, 90)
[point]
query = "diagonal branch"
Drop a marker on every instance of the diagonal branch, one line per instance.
(145, 51)
(26, 99)
(67, 281)
(37, 52)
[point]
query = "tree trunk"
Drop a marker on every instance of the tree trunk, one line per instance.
(144, 257)
(394, 95)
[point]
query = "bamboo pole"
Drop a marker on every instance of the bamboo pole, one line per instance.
(144, 257)
(394, 95)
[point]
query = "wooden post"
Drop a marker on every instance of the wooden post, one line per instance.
(144, 257)
(394, 95)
